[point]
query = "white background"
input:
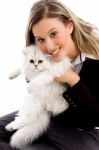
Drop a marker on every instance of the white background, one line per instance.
(13, 20)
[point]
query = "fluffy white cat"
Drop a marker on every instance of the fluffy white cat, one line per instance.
(43, 98)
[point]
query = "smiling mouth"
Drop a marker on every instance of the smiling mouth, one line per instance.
(55, 53)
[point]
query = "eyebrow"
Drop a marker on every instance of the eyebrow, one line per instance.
(47, 32)
(51, 30)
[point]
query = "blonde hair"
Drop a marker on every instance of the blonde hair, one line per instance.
(84, 35)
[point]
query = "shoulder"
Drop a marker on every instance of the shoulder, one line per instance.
(90, 60)
(90, 69)
(90, 63)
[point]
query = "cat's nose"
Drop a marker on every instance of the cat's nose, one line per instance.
(36, 66)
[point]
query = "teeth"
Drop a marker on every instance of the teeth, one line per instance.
(55, 52)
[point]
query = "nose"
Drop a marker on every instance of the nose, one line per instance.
(36, 66)
(49, 46)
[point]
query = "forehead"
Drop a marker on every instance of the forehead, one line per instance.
(45, 25)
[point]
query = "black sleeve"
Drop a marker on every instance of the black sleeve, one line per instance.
(82, 97)
(86, 106)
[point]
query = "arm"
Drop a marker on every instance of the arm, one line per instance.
(83, 97)
(79, 91)
(81, 94)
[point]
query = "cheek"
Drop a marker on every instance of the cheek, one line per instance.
(42, 47)
(61, 40)
(66, 44)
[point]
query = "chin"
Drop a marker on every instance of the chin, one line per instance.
(58, 59)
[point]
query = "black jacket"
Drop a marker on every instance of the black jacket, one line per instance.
(83, 98)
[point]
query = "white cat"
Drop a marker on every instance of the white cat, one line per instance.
(43, 99)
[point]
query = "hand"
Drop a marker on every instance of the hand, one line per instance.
(70, 77)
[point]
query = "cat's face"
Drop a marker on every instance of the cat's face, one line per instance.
(35, 59)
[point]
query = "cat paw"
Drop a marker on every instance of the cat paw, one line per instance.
(16, 142)
(19, 139)
(10, 127)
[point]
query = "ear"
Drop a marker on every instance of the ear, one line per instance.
(25, 51)
(70, 26)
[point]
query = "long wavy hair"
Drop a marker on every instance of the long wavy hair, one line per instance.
(85, 35)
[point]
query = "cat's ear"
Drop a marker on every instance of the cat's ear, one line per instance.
(28, 49)
(25, 51)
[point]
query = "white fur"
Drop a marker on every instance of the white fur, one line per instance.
(43, 98)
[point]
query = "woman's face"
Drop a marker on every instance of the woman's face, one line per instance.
(54, 37)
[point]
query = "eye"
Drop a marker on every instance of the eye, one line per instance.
(40, 40)
(31, 61)
(40, 61)
(53, 34)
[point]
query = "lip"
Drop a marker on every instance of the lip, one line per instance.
(56, 52)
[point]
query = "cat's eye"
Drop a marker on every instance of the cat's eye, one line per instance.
(40, 61)
(31, 61)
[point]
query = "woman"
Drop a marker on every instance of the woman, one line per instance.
(59, 32)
